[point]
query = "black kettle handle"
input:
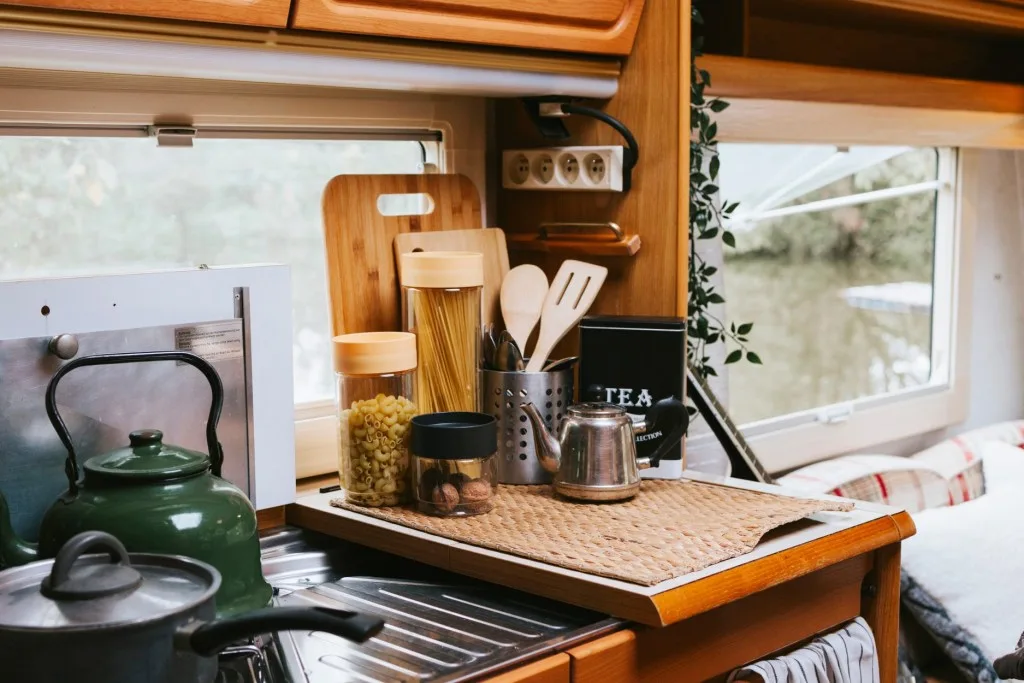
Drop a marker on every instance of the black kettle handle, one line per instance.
(216, 404)
(209, 639)
(672, 413)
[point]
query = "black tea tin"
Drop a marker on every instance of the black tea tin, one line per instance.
(633, 362)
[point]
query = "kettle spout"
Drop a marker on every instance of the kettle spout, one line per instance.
(549, 452)
(13, 550)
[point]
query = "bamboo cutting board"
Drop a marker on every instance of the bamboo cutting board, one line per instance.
(362, 280)
(490, 242)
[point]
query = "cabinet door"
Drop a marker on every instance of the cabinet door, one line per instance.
(553, 669)
(252, 12)
(596, 26)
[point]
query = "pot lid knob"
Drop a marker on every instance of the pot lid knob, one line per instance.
(90, 580)
(145, 437)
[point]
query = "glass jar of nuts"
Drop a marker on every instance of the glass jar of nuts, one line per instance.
(374, 374)
(454, 468)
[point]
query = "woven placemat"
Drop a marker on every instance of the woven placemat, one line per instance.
(669, 529)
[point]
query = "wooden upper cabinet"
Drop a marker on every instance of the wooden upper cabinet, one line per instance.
(1008, 14)
(594, 26)
(250, 12)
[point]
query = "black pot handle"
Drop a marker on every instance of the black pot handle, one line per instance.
(211, 638)
(216, 404)
(116, 578)
(668, 414)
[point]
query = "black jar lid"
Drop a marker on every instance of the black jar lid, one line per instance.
(454, 436)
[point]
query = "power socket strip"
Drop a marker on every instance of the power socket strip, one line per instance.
(563, 168)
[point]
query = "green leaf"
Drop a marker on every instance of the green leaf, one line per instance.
(710, 189)
(698, 178)
(733, 357)
(712, 131)
(753, 358)
(718, 106)
(732, 207)
(708, 370)
(705, 77)
(714, 166)
(709, 271)
(708, 234)
(745, 328)
(716, 299)
(729, 239)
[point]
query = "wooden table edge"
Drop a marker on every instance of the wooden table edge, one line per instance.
(719, 589)
(663, 609)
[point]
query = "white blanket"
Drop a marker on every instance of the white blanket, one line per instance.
(970, 557)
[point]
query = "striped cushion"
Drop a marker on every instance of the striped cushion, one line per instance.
(885, 479)
(958, 459)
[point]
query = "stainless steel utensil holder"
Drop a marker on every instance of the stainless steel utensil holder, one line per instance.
(504, 392)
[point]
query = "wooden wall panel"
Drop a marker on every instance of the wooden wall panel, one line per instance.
(653, 89)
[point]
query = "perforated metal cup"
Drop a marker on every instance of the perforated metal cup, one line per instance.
(504, 393)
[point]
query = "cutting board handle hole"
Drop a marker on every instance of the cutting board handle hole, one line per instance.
(416, 204)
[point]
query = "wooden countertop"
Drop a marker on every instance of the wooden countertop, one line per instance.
(799, 549)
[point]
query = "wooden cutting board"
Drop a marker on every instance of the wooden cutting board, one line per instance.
(490, 242)
(362, 281)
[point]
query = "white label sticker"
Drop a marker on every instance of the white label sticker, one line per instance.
(213, 341)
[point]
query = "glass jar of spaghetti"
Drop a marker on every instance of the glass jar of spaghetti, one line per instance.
(374, 374)
(441, 304)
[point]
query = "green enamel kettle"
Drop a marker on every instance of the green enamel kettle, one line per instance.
(154, 497)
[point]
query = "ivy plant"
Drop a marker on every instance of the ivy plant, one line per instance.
(707, 218)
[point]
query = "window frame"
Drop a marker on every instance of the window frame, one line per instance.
(789, 441)
(112, 105)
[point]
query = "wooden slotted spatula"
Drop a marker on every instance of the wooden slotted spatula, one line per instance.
(572, 292)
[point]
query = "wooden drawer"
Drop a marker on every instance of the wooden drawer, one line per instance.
(553, 669)
(716, 642)
(595, 26)
(251, 12)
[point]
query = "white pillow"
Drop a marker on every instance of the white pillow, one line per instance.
(970, 557)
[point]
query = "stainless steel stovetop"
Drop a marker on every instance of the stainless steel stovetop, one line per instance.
(436, 630)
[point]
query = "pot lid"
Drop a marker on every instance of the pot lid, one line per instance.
(81, 592)
(147, 457)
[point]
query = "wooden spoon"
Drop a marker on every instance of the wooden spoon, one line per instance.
(572, 292)
(522, 297)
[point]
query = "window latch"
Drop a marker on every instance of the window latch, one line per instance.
(836, 414)
(173, 136)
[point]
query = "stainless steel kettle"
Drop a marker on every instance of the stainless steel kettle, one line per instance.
(594, 456)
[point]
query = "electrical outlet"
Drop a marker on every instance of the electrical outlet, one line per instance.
(517, 169)
(563, 168)
(568, 167)
(543, 168)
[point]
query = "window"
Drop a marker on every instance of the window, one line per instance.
(845, 261)
(84, 205)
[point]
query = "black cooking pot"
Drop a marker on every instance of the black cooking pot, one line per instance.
(139, 618)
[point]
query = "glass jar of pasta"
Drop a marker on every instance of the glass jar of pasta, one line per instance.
(374, 374)
(442, 303)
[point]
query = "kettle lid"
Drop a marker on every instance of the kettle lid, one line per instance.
(595, 409)
(147, 458)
